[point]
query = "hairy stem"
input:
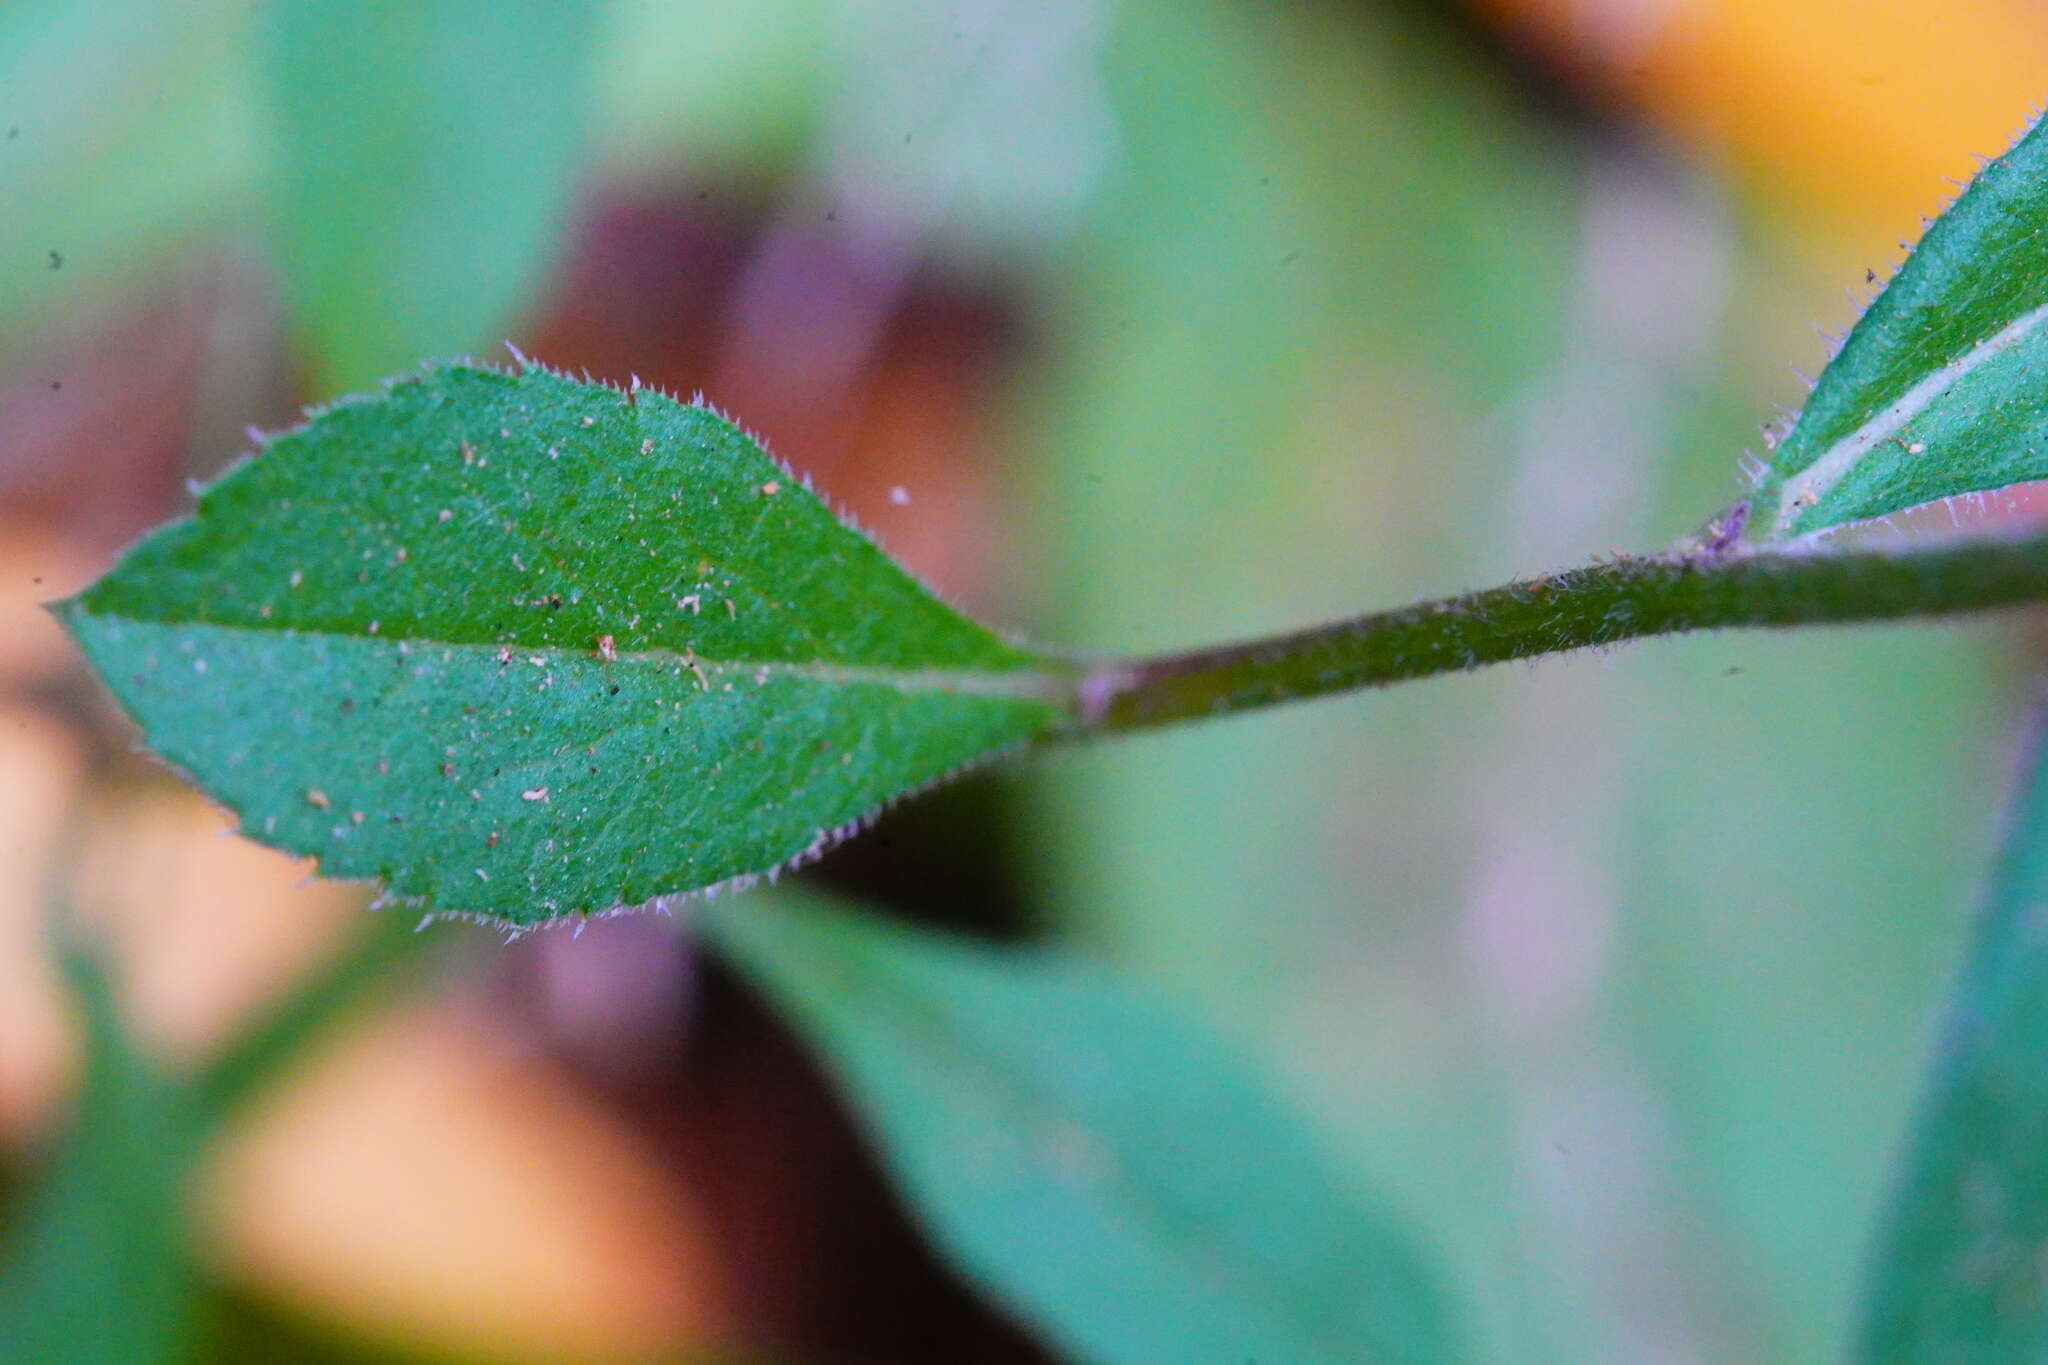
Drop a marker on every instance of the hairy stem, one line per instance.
(1602, 603)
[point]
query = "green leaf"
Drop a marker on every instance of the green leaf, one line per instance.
(425, 158)
(526, 647)
(98, 1272)
(1938, 390)
(1959, 1275)
(100, 1269)
(265, 1048)
(125, 134)
(1132, 1193)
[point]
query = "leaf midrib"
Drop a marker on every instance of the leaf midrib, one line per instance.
(1055, 686)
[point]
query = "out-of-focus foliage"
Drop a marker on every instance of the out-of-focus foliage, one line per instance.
(128, 132)
(1087, 1157)
(99, 1265)
(98, 1268)
(425, 155)
(1958, 1273)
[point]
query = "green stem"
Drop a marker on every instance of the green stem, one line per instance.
(1603, 603)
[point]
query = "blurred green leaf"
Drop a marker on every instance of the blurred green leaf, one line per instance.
(426, 155)
(126, 134)
(1781, 1016)
(1958, 1276)
(263, 1050)
(1123, 1185)
(98, 1273)
(691, 83)
(242, 1328)
(236, 1326)
(98, 1268)
(97, 1264)
(528, 647)
(1938, 389)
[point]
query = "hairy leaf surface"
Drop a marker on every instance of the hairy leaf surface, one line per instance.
(1119, 1181)
(1942, 386)
(527, 647)
(1959, 1273)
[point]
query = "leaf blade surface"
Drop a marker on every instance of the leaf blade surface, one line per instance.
(527, 647)
(1938, 390)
